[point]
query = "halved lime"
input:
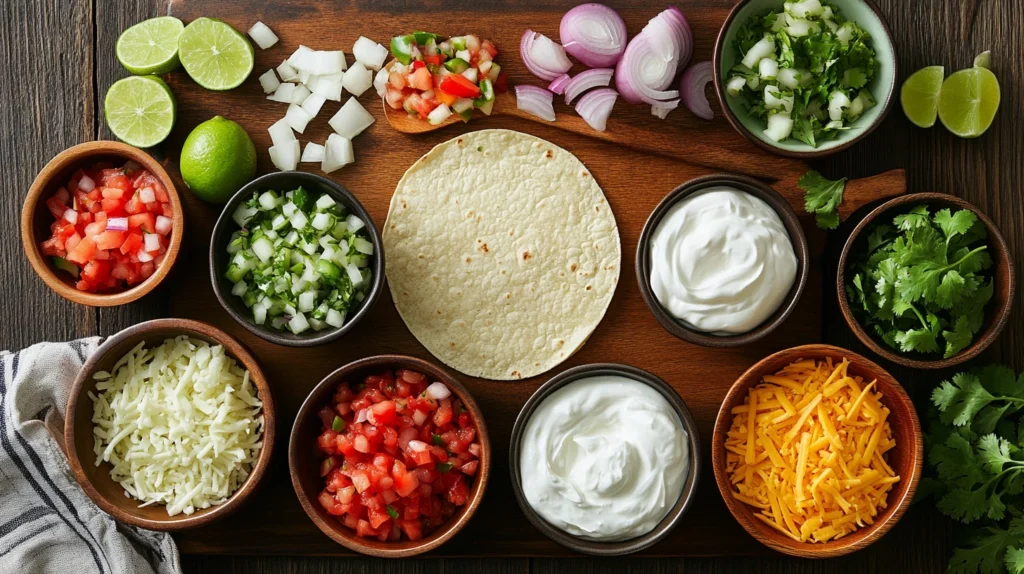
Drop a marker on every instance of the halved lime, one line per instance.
(150, 47)
(919, 95)
(214, 54)
(140, 110)
(983, 60)
(968, 102)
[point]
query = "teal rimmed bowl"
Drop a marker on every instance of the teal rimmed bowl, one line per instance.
(882, 86)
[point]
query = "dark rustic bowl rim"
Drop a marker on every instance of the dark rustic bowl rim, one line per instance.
(813, 153)
(686, 497)
(222, 232)
(314, 401)
(1001, 315)
(77, 155)
(790, 221)
(843, 546)
(235, 349)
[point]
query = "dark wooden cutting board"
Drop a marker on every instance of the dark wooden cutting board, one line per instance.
(637, 164)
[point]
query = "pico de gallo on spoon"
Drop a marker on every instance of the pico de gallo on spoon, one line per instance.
(432, 77)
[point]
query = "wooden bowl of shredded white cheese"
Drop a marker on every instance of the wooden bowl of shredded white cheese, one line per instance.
(170, 425)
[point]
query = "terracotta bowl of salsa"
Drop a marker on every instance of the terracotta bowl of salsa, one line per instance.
(119, 227)
(389, 456)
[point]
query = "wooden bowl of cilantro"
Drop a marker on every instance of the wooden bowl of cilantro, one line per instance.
(926, 281)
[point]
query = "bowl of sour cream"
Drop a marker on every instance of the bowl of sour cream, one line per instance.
(605, 459)
(722, 261)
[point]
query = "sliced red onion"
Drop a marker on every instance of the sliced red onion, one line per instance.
(653, 57)
(117, 224)
(661, 109)
(419, 417)
(596, 106)
(535, 101)
(583, 81)
(438, 391)
(362, 416)
(557, 86)
(692, 85)
(593, 33)
(542, 56)
(86, 184)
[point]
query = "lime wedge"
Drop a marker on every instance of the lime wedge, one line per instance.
(150, 47)
(215, 54)
(919, 95)
(983, 60)
(968, 102)
(140, 110)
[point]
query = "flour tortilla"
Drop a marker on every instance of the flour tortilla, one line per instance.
(502, 253)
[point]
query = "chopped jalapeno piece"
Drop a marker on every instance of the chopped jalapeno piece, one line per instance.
(401, 48)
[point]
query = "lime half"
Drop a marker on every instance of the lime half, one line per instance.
(140, 110)
(983, 60)
(150, 47)
(919, 95)
(214, 54)
(968, 102)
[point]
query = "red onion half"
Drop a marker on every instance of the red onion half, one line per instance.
(583, 81)
(535, 101)
(542, 56)
(596, 106)
(593, 33)
(692, 85)
(558, 85)
(653, 57)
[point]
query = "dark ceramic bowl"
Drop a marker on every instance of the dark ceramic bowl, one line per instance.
(304, 458)
(685, 497)
(997, 311)
(219, 257)
(883, 87)
(796, 236)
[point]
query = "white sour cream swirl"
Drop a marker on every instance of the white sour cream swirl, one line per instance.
(604, 458)
(721, 261)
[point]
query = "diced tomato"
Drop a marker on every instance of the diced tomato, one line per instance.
(56, 207)
(444, 97)
(142, 221)
(83, 252)
(96, 272)
(422, 80)
(459, 85)
(110, 240)
(488, 47)
(330, 504)
(392, 471)
(418, 65)
(53, 247)
(133, 243)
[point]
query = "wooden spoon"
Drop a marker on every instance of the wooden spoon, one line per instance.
(651, 136)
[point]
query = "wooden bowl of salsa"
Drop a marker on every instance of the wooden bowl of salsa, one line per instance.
(114, 235)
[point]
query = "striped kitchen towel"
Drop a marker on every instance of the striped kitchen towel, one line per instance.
(47, 524)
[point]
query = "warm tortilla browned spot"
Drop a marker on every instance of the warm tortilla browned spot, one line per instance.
(572, 267)
(515, 313)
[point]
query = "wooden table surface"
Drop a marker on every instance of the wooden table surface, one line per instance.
(59, 60)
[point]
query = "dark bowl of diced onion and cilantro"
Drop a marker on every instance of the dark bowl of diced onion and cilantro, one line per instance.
(296, 259)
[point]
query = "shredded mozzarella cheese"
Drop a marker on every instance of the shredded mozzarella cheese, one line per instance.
(181, 424)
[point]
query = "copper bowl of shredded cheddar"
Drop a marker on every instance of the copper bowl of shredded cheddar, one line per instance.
(832, 458)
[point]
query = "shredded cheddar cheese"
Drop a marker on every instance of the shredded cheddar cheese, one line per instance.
(807, 450)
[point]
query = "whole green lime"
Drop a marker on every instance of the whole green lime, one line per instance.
(218, 158)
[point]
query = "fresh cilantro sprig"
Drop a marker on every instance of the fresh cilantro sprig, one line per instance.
(822, 197)
(920, 283)
(976, 437)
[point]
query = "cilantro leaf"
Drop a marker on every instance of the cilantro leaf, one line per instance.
(955, 224)
(1015, 560)
(959, 338)
(917, 217)
(989, 550)
(822, 197)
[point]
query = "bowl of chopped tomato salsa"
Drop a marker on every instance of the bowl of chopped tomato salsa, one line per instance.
(102, 223)
(389, 456)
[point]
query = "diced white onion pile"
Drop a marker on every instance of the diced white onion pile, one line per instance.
(308, 79)
(180, 423)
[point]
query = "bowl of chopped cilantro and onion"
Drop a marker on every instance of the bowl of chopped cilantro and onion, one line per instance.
(807, 78)
(296, 259)
(926, 281)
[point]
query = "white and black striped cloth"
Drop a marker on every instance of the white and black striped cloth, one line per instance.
(47, 524)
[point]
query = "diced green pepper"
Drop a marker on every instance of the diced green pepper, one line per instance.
(328, 269)
(234, 273)
(492, 74)
(443, 467)
(486, 93)
(392, 512)
(300, 197)
(338, 425)
(65, 265)
(466, 115)
(436, 439)
(423, 37)
(456, 65)
(401, 48)
(458, 43)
